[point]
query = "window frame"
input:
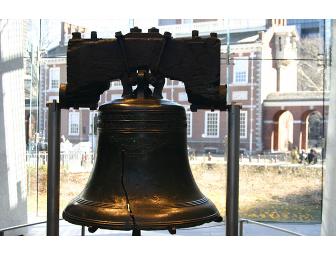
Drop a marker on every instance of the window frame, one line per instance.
(240, 123)
(190, 123)
(70, 133)
(51, 76)
(235, 81)
(206, 124)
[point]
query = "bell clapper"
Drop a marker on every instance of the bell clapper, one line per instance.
(172, 230)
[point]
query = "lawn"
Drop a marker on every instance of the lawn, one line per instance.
(287, 193)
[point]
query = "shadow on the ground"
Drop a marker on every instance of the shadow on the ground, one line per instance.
(297, 207)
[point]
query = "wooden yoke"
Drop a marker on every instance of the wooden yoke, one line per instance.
(93, 63)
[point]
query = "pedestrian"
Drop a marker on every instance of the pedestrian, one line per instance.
(295, 155)
(209, 161)
(312, 157)
(82, 160)
(302, 156)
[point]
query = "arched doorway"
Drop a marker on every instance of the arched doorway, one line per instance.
(315, 129)
(283, 131)
(312, 129)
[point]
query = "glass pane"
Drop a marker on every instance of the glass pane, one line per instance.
(274, 68)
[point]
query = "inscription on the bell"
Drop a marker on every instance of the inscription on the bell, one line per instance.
(140, 144)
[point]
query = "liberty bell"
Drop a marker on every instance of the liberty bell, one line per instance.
(141, 178)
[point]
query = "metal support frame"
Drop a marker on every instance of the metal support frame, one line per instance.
(2, 231)
(232, 186)
(53, 180)
(53, 186)
(83, 231)
(242, 221)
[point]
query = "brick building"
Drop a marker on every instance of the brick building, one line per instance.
(249, 66)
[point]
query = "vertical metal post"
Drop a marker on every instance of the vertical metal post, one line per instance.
(53, 188)
(83, 231)
(241, 227)
(232, 189)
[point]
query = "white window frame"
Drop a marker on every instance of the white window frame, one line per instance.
(244, 136)
(190, 123)
(52, 71)
(236, 70)
(71, 122)
(206, 124)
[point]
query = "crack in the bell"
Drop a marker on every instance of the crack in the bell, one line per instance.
(129, 209)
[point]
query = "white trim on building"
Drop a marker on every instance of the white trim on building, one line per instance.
(294, 103)
(54, 61)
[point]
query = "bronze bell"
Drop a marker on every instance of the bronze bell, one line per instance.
(141, 179)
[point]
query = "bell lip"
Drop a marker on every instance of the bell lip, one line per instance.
(207, 213)
(216, 217)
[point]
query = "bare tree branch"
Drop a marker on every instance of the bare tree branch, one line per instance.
(310, 73)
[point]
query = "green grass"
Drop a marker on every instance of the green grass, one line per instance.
(272, 193)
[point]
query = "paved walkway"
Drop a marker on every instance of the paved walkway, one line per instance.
(210, 229)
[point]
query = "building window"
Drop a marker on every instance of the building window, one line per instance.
(73, 123)
(189, 124)
(211, 124)
(243, 124)
(54, 77)
(240, 75)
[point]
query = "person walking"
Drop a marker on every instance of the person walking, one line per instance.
(295, 155)
(209, 161)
